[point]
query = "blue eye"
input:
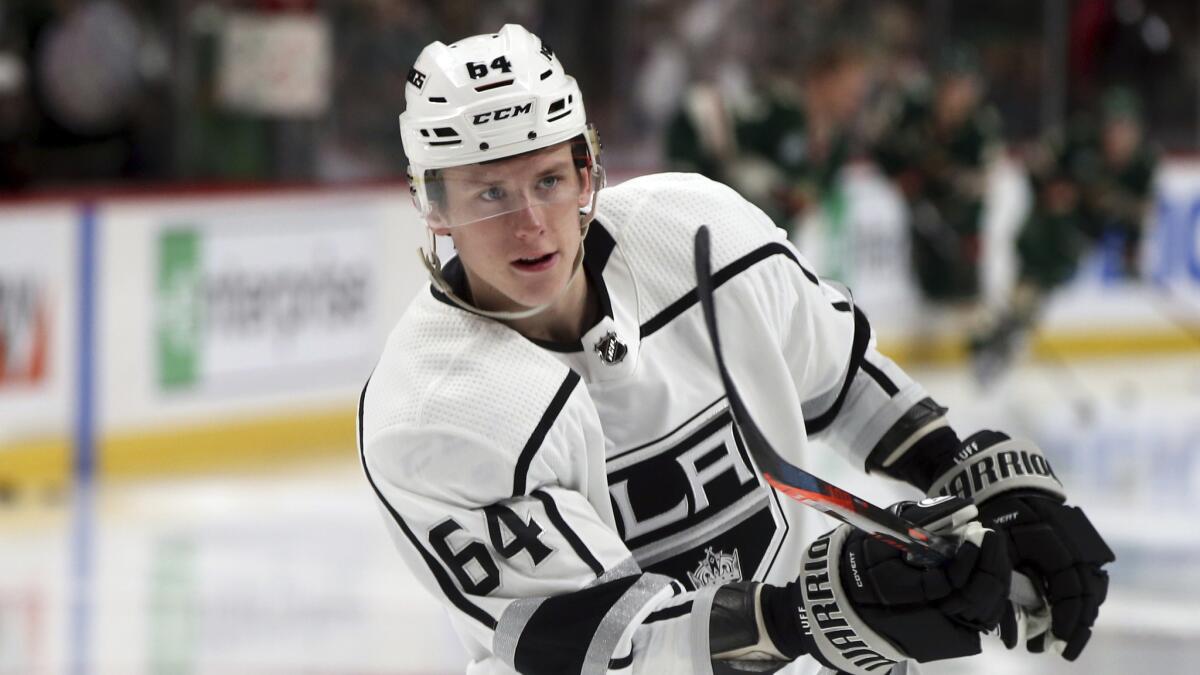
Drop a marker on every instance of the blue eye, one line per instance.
(549, 182)
(491, 194)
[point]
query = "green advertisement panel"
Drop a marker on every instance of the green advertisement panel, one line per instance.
(179, 319)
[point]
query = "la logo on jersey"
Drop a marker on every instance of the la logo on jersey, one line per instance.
(690, 505)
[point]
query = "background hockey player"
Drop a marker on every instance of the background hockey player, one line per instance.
(1092, 191)
(779, 134)
(555, 455)
(937, 150)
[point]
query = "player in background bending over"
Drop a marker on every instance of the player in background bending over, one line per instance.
(556, 459)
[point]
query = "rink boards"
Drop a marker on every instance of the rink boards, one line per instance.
(234, 329)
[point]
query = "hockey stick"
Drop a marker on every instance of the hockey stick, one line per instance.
(924, 547)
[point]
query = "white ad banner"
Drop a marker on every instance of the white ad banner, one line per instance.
(37, 296)
(247, 305)
(230, 306)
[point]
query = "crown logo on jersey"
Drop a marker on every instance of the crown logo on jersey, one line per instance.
(611, 350)
(716, 568)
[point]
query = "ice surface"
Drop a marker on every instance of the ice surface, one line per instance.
(293, 570)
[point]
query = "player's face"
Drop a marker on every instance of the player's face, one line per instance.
(515, 224)
(847, 89)
(1121, 139)
(957, 96)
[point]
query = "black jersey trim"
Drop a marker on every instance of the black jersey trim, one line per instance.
(600, 245)
(560, 347)
(557, 637)
(787, 529)
(539, 432)
(669, 613)
(880, 378)
(452, 592)
(721, 276)
(456, 278)
(569, 534)
(623, 662)
(858, 350)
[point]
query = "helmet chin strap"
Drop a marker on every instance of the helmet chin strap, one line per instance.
(434, 266)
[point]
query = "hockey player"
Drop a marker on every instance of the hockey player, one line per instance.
(555, 455)
(937, 149)
(1092, 188)
(780, 148)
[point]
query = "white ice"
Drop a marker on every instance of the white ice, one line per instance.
(291, 570)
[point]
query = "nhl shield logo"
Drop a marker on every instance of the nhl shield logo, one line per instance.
(611, 350)
(716, 568)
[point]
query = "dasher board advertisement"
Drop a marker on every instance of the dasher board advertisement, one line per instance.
(253, 305)
(36, 321)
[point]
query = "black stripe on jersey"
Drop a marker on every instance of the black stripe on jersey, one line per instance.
(556, 638)
(444, 582)
(599, 246)
(858, 349)
(623, 662)
(880, 378)
(807, 273)
(724, 274)
(669, 613)
(539, 432)
(456, 278)
(573, 539)
(783, 539)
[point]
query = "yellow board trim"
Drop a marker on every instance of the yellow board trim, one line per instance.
(243, 445)
(268, 442)
(1052, 346)
(42, 463)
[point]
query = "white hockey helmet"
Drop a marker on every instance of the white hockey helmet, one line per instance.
(485, 98)
(488, 97)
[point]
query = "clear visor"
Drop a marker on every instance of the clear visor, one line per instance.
(538, 187)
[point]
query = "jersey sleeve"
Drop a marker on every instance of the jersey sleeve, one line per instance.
(537, 581)
(850, 394)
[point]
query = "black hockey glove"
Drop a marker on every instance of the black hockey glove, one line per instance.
(859, 605)
(1054, 544)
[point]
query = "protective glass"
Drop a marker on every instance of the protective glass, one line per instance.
(490, 193)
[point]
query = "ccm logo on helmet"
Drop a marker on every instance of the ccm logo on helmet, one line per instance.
(502, 114)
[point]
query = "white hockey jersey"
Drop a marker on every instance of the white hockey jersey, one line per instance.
(576, 506)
